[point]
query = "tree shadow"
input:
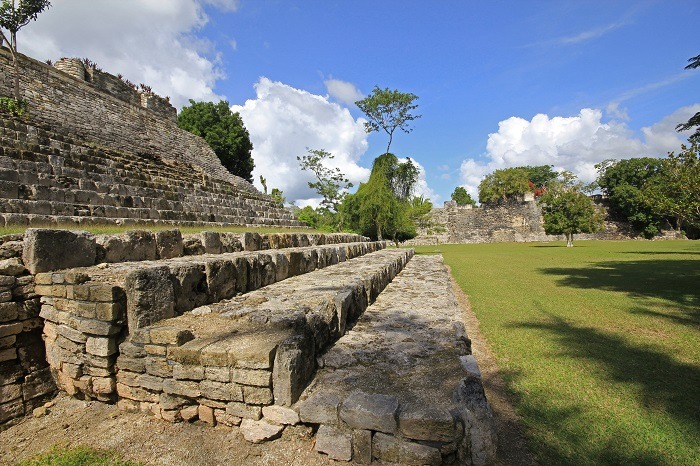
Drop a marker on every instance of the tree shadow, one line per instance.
(677, 281)
(661, 383)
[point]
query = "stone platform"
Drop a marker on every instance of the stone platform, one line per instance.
(402, 386)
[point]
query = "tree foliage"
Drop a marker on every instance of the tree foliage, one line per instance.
(694, 121)
(330, 183)
(388, 110)
(539, 176)
(622, 182)
(14, 15)
(382, 208)
(674, 190)
(278, 196)
(462, 197)
(503, 185)
(566, 210)
(224, 132)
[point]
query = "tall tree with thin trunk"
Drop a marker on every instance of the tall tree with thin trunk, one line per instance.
(14, 15)
(694, 121)
(388, 110)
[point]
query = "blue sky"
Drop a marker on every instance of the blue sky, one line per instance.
(500, 83)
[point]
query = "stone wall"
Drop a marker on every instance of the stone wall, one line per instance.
(25, 378)
(518, 221)
(107, 112)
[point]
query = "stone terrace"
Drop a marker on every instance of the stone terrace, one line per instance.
(402, 386)
(47, 178)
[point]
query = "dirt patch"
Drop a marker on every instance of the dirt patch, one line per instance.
(512, 448)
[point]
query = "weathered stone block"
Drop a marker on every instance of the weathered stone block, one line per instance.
(362, 446)
(170, 335)
(189, 285)
(188, 372)
(221, 391)
(368, 411)
(48, 250)
(389, 448)
(258, 378)
(12, 267)
(169, 244)
(10, 329)
(182, 387)
(280, 415)
(259, 431)
(9, 311)
(257, 395)
(218, 373)
(211, 240)
(427, 423)
(221, 279)
(334, 443)
(293, 368)
(244, 411)
(206, 414)
(101, 346)
(320, 408)
(150, 297)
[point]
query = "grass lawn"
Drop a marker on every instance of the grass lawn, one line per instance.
(599, 344)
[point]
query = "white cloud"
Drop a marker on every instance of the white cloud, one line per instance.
(571, 143)
(343, 91)
(148, 41)
(284, 121)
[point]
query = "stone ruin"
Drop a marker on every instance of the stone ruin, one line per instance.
(253, 331)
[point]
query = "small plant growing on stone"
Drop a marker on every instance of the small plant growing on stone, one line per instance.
(49, 62)
(145, 88)
(13, 107)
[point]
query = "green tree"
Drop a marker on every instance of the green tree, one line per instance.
(330, 184)
(622, 182)
(694, 121)
(566, 210)
(503, 185)
(14, 15)
(381, 208)
(675, 189)
(224, 132)
(462, 197)
(388, 110)
(540, 175)
(263, 182)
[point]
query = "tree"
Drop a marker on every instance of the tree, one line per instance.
(263, 182)
(278, 196)
(566, 210)
(224, 132)
(503, 185)
(381, 208)
(462, 197)
(14, 15)
(330, 184)
(388, 110)
(539, 176)
(674, 191)
(694, 121)
(622, 182)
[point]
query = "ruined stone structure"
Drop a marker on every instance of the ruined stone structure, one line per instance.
(255, 331)
(518, 221)
(96, 151)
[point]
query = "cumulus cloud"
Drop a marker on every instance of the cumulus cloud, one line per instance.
(283, 122)
(574, 143)
(343, 91)
(147, 41)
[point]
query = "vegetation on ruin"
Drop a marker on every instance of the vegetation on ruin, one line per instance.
(597, 344)
(224, 132)
(78, 456)
(507, 184)
(462, 197)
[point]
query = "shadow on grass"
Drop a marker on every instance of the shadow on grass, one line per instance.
(660, 383)
(677, 281)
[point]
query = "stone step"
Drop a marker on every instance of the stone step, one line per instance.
(402, 385)
(88, 311)
(252, 354)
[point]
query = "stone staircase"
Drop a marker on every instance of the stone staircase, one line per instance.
(365, 344)
(48, 178)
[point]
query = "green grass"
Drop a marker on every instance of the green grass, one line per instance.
(117, 229)
(78, 456)
(599, 344)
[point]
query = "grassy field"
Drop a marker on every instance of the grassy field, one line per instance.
(599, 344)
(117, 229)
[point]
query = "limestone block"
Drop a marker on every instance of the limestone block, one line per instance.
(10, 392)
(251, 241)
(9, 311)
(293, 368)
(259, 431)
(189, 285)
(189, 413)
(101, 346)
(470, 365)
(259, 378)
(362, 446)
(257, 395)
(11, 409)
(211, 240)
(427, 423)
(104, 385)
(169, 244)
(159, 366)
(164, 335)
(280, 415)
(389, 448)
(221, 391)
(222, 417)
(334, 443)
(192, 246)
(172, 401)
(135, 393)
(244, 411)
(7, 342)
(150, 297)
(206, 414)
(10, 329)
(221, 279)
(188, 372)
(369, 411)
(218, 373)
(319, 408)
(12, 267)
(182, 387)
(48, 250)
